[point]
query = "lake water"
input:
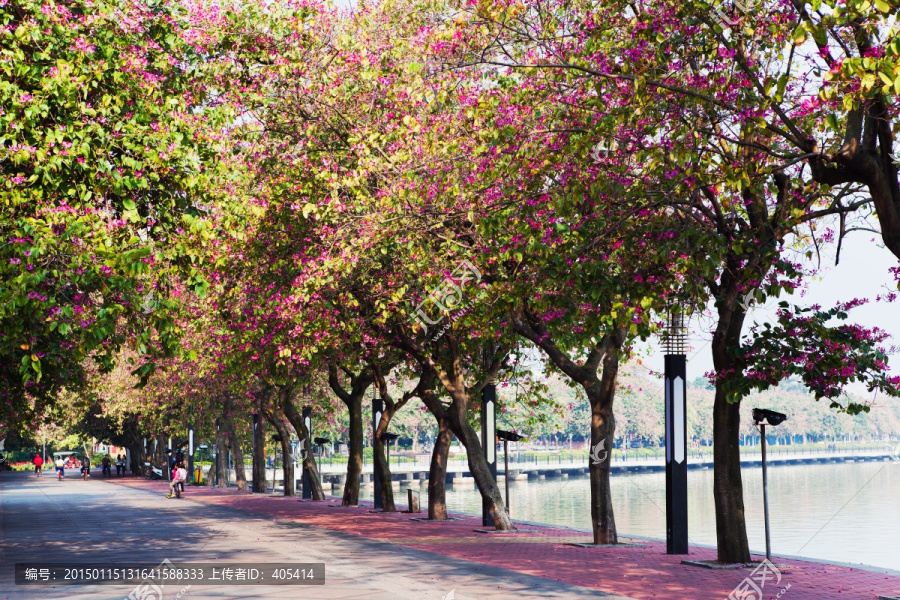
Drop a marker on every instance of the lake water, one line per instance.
(846, 512)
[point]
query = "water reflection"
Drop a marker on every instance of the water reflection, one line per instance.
(839, 512)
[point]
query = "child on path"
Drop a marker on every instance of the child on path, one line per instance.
(178, 477)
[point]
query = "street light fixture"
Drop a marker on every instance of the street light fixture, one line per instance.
(389, 437)
(675, 342)
(507, 436)
(320, 442)
(763, 417)
(275, 438)
(201, 448)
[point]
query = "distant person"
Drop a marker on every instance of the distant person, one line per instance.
(120, 465)
(85, 468)
(179, 475)
(60, 467)
(107, 471)
(38, 463)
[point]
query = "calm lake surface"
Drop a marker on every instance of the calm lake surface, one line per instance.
(847, 512)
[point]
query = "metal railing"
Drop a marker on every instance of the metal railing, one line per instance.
(524, 460)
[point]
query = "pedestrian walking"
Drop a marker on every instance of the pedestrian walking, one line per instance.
(107, 471)
(38, 463)
(120, 465)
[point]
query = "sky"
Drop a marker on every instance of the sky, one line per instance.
(863, 272)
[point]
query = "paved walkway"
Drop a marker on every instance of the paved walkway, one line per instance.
(367, 556)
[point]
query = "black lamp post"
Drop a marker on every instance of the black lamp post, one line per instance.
(168, 452)
(675, 342)
(201, 448)
(763, 417)
(489, 428)
(255, 470)
(507, 436)
(191, 452)
(320, 441)
(387, 438)
(277, 439)
(306, 415)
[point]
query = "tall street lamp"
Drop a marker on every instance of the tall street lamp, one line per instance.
(507, 436)
(306, 415)
(675, 342)
(763, 417)
(377, 411)
(489, 429)
(277, 439)
(320, 441)
(201, 448)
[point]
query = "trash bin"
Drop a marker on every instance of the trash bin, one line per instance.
(198, 475)
(413, 501)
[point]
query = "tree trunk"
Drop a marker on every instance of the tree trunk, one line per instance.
(381, 465)
(137, 458)
(437, 474)
(603, 435)
(355, 450)
(222, 458)
(309, 463)
(228, 425)
(287, 465)
(259, 451)
(353, 401)
(601, 392)
(478, 466)
(731, 529)
(728, 489)
(158, 455)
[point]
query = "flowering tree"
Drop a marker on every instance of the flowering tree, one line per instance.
(107, 146)
(717, 125)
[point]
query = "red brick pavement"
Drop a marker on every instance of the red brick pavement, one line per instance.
(641, 573)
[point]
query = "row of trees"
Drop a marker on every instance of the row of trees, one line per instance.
(255, 207)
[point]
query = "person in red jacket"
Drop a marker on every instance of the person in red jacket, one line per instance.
(38, 463)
